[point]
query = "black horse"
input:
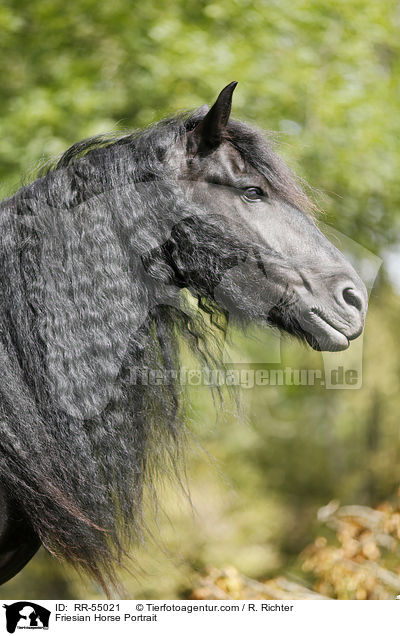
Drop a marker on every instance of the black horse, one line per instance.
(94, 256)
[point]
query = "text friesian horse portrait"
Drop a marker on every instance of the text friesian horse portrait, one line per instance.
(96, 255)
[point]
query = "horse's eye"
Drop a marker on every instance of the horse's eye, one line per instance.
(252, 194)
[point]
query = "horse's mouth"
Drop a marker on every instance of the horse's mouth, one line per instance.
(321, 334)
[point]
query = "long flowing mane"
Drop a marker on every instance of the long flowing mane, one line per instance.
(79, 439)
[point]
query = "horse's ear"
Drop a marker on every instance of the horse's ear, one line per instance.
(209, 133)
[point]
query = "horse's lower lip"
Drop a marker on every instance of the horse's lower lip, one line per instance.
(322, 335)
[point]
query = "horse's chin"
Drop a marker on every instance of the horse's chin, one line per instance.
(321, 334)
(329, 344)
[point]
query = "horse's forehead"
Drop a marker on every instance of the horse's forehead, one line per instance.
(221, 165)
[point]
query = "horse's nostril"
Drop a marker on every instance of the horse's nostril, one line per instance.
(353, 298)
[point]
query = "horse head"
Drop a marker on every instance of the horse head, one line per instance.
(253, 245)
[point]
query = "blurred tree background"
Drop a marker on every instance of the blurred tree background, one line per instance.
(323, 74)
